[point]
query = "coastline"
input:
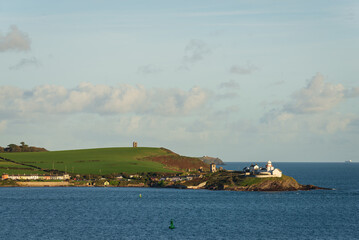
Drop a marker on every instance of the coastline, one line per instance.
(201, 186)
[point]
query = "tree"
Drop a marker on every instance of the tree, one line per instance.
(13, 148)
(24, 147)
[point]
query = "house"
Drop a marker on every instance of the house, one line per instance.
(57, 177)
(45, 177)
(36, 177)
(134, 176)
(175, 179)
(267, 171)
(66, 176)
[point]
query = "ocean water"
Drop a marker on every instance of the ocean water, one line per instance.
(119, 213)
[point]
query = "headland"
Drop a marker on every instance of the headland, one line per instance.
(135, 167)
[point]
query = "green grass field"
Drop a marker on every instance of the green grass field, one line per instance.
(13, 168)
(101, 161)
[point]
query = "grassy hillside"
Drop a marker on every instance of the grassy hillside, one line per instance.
(94, 161)
(13, 168)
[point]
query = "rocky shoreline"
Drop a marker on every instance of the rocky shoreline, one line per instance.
(274, 189)
(284, 183)
(237, 182)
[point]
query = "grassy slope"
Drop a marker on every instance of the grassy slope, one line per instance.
(13, 168)
(249, 181)
(94, 161)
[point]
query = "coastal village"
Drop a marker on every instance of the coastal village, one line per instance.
(206, 175)
(178, 180)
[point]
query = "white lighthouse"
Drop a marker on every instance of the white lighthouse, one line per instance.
(269, 166)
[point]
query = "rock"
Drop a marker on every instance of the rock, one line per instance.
(275, 185)
(312, 187)
(237, 182)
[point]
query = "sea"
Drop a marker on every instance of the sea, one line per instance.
(120, 213)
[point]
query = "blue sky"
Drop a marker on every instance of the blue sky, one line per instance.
(239, 80)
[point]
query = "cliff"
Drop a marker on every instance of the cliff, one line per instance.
(210, 160)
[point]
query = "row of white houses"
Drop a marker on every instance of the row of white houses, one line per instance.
(36, 177)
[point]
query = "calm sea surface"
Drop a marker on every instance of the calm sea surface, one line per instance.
(119, 213)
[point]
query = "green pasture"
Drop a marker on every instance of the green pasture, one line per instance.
(248, 181)
(99, 161)
(14, 169)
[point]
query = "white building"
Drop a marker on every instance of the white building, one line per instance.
(267, 171)
(36, 177)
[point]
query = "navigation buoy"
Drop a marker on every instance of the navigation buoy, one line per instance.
(171, 226)
(140, 195)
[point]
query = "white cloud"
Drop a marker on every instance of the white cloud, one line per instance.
(102, 99)
(25, 62)
(309, 110)
(293, 125)
(338, 123)
(354, 92)
(317, 96)
(174, 101)
(14, 40)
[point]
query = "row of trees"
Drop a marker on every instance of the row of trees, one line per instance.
(21, 148)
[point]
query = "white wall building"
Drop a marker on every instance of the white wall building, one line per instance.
(268, 171)
(37, 177)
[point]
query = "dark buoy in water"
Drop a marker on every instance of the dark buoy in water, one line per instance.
(171, 226)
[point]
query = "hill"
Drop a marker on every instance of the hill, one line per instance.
(101, 161)
(210, 160)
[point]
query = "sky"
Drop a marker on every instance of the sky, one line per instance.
(239, 80)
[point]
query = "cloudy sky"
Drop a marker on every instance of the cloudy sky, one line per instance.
(239, 80)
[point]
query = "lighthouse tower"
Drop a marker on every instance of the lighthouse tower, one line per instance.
(269, 166)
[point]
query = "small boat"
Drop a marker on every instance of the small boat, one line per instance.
(349, 161)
